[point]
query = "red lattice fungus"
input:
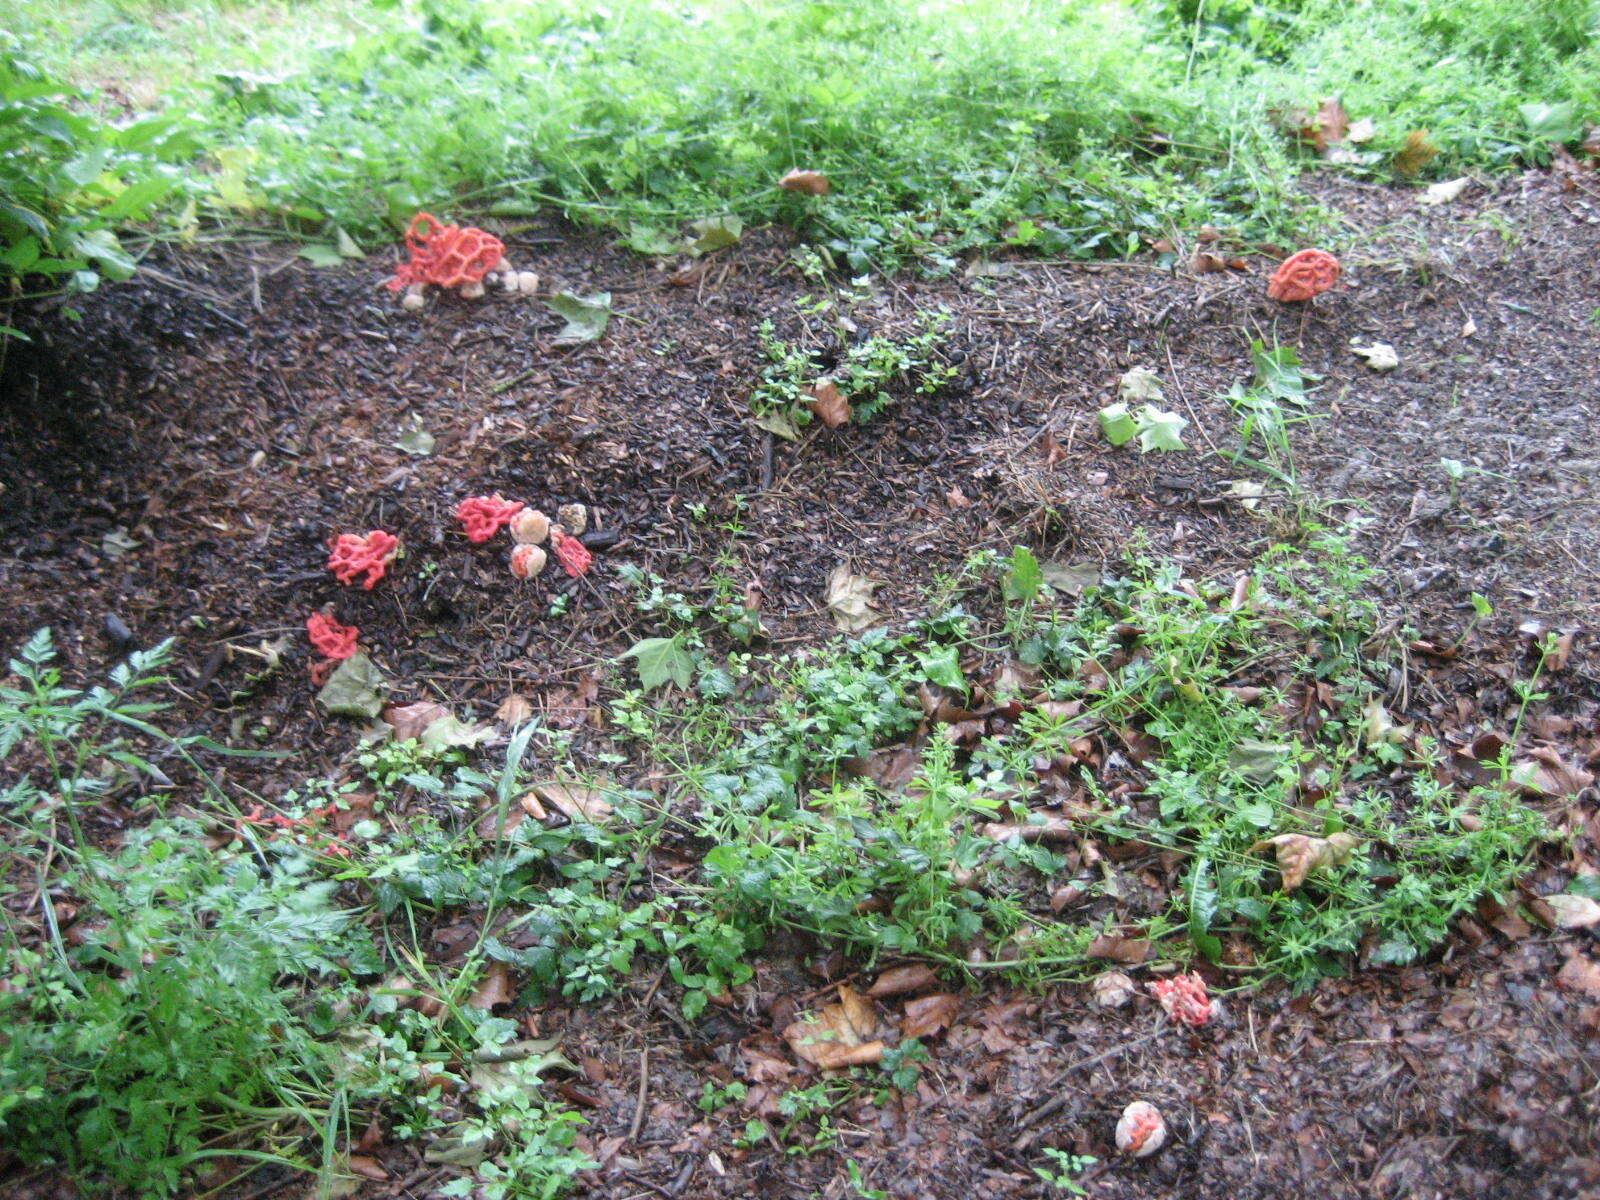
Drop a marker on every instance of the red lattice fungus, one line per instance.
(352, 554)
(1184, 997)
(1302, 275)
(331, 639)
(484, 516)
(572, 554)
(446, 255)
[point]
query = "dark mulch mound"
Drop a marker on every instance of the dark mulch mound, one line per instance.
(228, 413)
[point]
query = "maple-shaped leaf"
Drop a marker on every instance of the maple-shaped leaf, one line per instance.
(1159, 429)
(1300, 854)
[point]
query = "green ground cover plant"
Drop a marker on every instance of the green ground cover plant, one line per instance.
(1075, 129)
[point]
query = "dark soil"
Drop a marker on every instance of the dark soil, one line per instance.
(227, 413)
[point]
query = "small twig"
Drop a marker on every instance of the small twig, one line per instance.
(767, 444)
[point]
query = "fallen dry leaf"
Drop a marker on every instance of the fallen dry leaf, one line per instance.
(1579, 974)
(1417, 153)
(858, 1013)
(901, 981)
(927, 1015)
(850, 599)
(825, 400)
(410, 720)
(1299, 854)
(574, 802)
(1118, 948)
(514, 710)
(1573, 912)
(366, 1167)
(812, 183)
(494, 990)
(1113, 989)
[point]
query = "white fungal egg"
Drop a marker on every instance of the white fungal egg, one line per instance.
(1141, 1131)
(527, 561)
(508, 282)
(471, 291)
(527, 282)
(529, 527)
(413, 301)
(574, 518)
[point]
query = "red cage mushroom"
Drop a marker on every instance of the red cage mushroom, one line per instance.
(331, 639)
(1304, 274)
(446, 255)
(1184, 998)
(572, 554)
(484, 516)
(352, 553)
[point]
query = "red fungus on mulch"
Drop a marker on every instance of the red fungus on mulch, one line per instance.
(1184, 998)
(446, 255)
(352, 554)
(335, 642)
(484, 516)
(1302, 275)
(572, 554)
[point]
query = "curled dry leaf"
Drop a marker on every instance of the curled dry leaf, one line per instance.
(927, 1015)
(1417, 153)
(515, 709)
(1573, 912)
(1118, 948)
(1300, 854)
(1113, 989)
(901, 981)
(1141, 1131)
(1580, 974)
(812, 183)
(495, 988)
(836, 1037)
(410, 721)
(850, 598)
(829, 405)
(574, 802)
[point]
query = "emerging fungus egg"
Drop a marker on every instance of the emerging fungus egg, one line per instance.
(574, 518)
(1141, 1131)
(472, 290)
(413, 302)
(527, 561)
(529, 527)
(508, 282)
(527, 282)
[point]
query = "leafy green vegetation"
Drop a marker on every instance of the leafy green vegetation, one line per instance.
(1076, 129)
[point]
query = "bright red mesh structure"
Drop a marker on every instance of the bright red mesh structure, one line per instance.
(572, 554)
(1302, 275)
(446, 255)
(331, 639)
(1184, 997)
(484, 516)
(352, 554)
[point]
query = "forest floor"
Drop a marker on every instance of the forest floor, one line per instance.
(174, 462)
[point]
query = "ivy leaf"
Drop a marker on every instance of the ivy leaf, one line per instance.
(319, 255)
(586, 316)
(713, 233)
(1202, 909)
(1117, 423)
(1160, 429)
(662, 660)
(943, 667)
(1024, 578)
(355, 689)
(1139, 384)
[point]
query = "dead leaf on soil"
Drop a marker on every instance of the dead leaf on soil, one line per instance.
(850, 599)
(836, 1037)
(1300, 854)
(366, 1167)
(1443, 193)
(812, 183)
(516, 709)
(831, 408)
(495, 988)
(573, 801)
(1112, 989)
(900, 981)
(1417, 153)
(1119, 948)
(1048, 828)
(1579, 974)
(927, 1015)
(1573, 912)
